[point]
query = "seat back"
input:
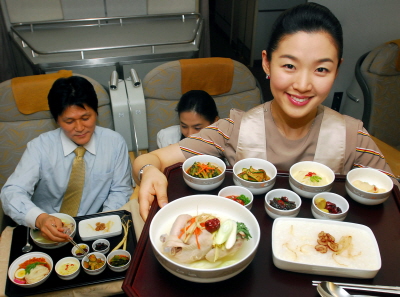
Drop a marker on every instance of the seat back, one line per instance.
(162, 91)
(379, 80)
(17, 129)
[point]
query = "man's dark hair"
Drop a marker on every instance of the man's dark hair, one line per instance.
(66, 92)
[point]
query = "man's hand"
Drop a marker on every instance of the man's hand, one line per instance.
(51, 228)
(154, 183)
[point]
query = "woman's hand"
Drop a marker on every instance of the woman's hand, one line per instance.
(154, 183)
(51, 228)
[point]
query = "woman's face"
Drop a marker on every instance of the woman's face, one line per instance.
(302, 69)
(191, 122)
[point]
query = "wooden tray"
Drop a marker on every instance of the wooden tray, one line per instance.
(54, 283)
(146, 277)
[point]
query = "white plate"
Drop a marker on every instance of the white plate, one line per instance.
(87, 227)
(294, 241)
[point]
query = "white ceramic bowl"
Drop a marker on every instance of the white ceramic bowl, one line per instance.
(256, 188)
(116, 253)
(373, 177)
(237, 191)
(75, 250)
(334, 198)
(308, 191)
(101, 241)
(203, 184)
(48, 244)
(294, 241)
(15, 266)
(278, 193)
(71, 261)
(197, 204)
(96, 271)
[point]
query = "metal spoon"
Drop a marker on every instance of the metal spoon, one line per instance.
(329, 289)
(27, 248)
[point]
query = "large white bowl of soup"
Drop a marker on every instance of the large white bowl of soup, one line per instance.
(368, 186)
(39, 240)
(183, 232)
(257, 175)
(308, 178)
(203, 172)
(30, 270)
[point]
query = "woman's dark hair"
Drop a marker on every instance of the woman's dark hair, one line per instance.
(200, 102)
(66, 92)
(310, 18)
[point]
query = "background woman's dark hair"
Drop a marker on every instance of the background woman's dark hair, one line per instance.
(309, 17)
(200, 102)
(74, 90)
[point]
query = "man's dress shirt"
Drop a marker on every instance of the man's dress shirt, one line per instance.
(40, 179)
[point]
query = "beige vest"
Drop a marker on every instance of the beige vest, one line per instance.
(331, 145)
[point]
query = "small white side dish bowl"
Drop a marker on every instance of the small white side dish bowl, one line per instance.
(78, 254)
(237, 191)
(308, 191)
(70, 262)
(294, 241)
(98, 270)
(373, 177)
(15, 266)
(211, 204)
(256, 188)
(119, 253)
(99, 242)
(48, 244)
(112, 224)
(340, 202)
(203, 184)
(278, 193)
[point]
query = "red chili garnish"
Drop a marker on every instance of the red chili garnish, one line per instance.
(212, 225)
(311, 174)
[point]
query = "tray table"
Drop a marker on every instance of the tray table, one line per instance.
(54, 283)
(146, 277)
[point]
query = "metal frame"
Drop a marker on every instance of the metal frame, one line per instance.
(99, 22)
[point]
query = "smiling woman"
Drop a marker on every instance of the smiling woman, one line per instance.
(301, 60)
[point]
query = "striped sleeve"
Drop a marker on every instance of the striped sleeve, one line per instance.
(209, 141)
(369, 155)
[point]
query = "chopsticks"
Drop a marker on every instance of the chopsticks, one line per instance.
(68, 232)
(361, 287)
(78, 247)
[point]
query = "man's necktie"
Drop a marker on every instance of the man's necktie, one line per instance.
(73, 194)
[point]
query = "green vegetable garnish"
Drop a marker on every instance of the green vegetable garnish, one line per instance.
(245, 199)
(315, 178)
(33, 265)
(224, 231)
(241, 228)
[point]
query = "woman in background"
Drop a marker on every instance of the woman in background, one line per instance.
(196, 110)
(302, 60)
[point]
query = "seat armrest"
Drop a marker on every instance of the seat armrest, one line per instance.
(138, 116)
(120, 110)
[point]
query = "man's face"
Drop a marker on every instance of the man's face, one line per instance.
(78, 123)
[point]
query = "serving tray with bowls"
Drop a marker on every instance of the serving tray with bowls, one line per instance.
(54, 283)
(262, 276)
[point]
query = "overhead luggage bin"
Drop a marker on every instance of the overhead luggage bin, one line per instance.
(102, 42)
